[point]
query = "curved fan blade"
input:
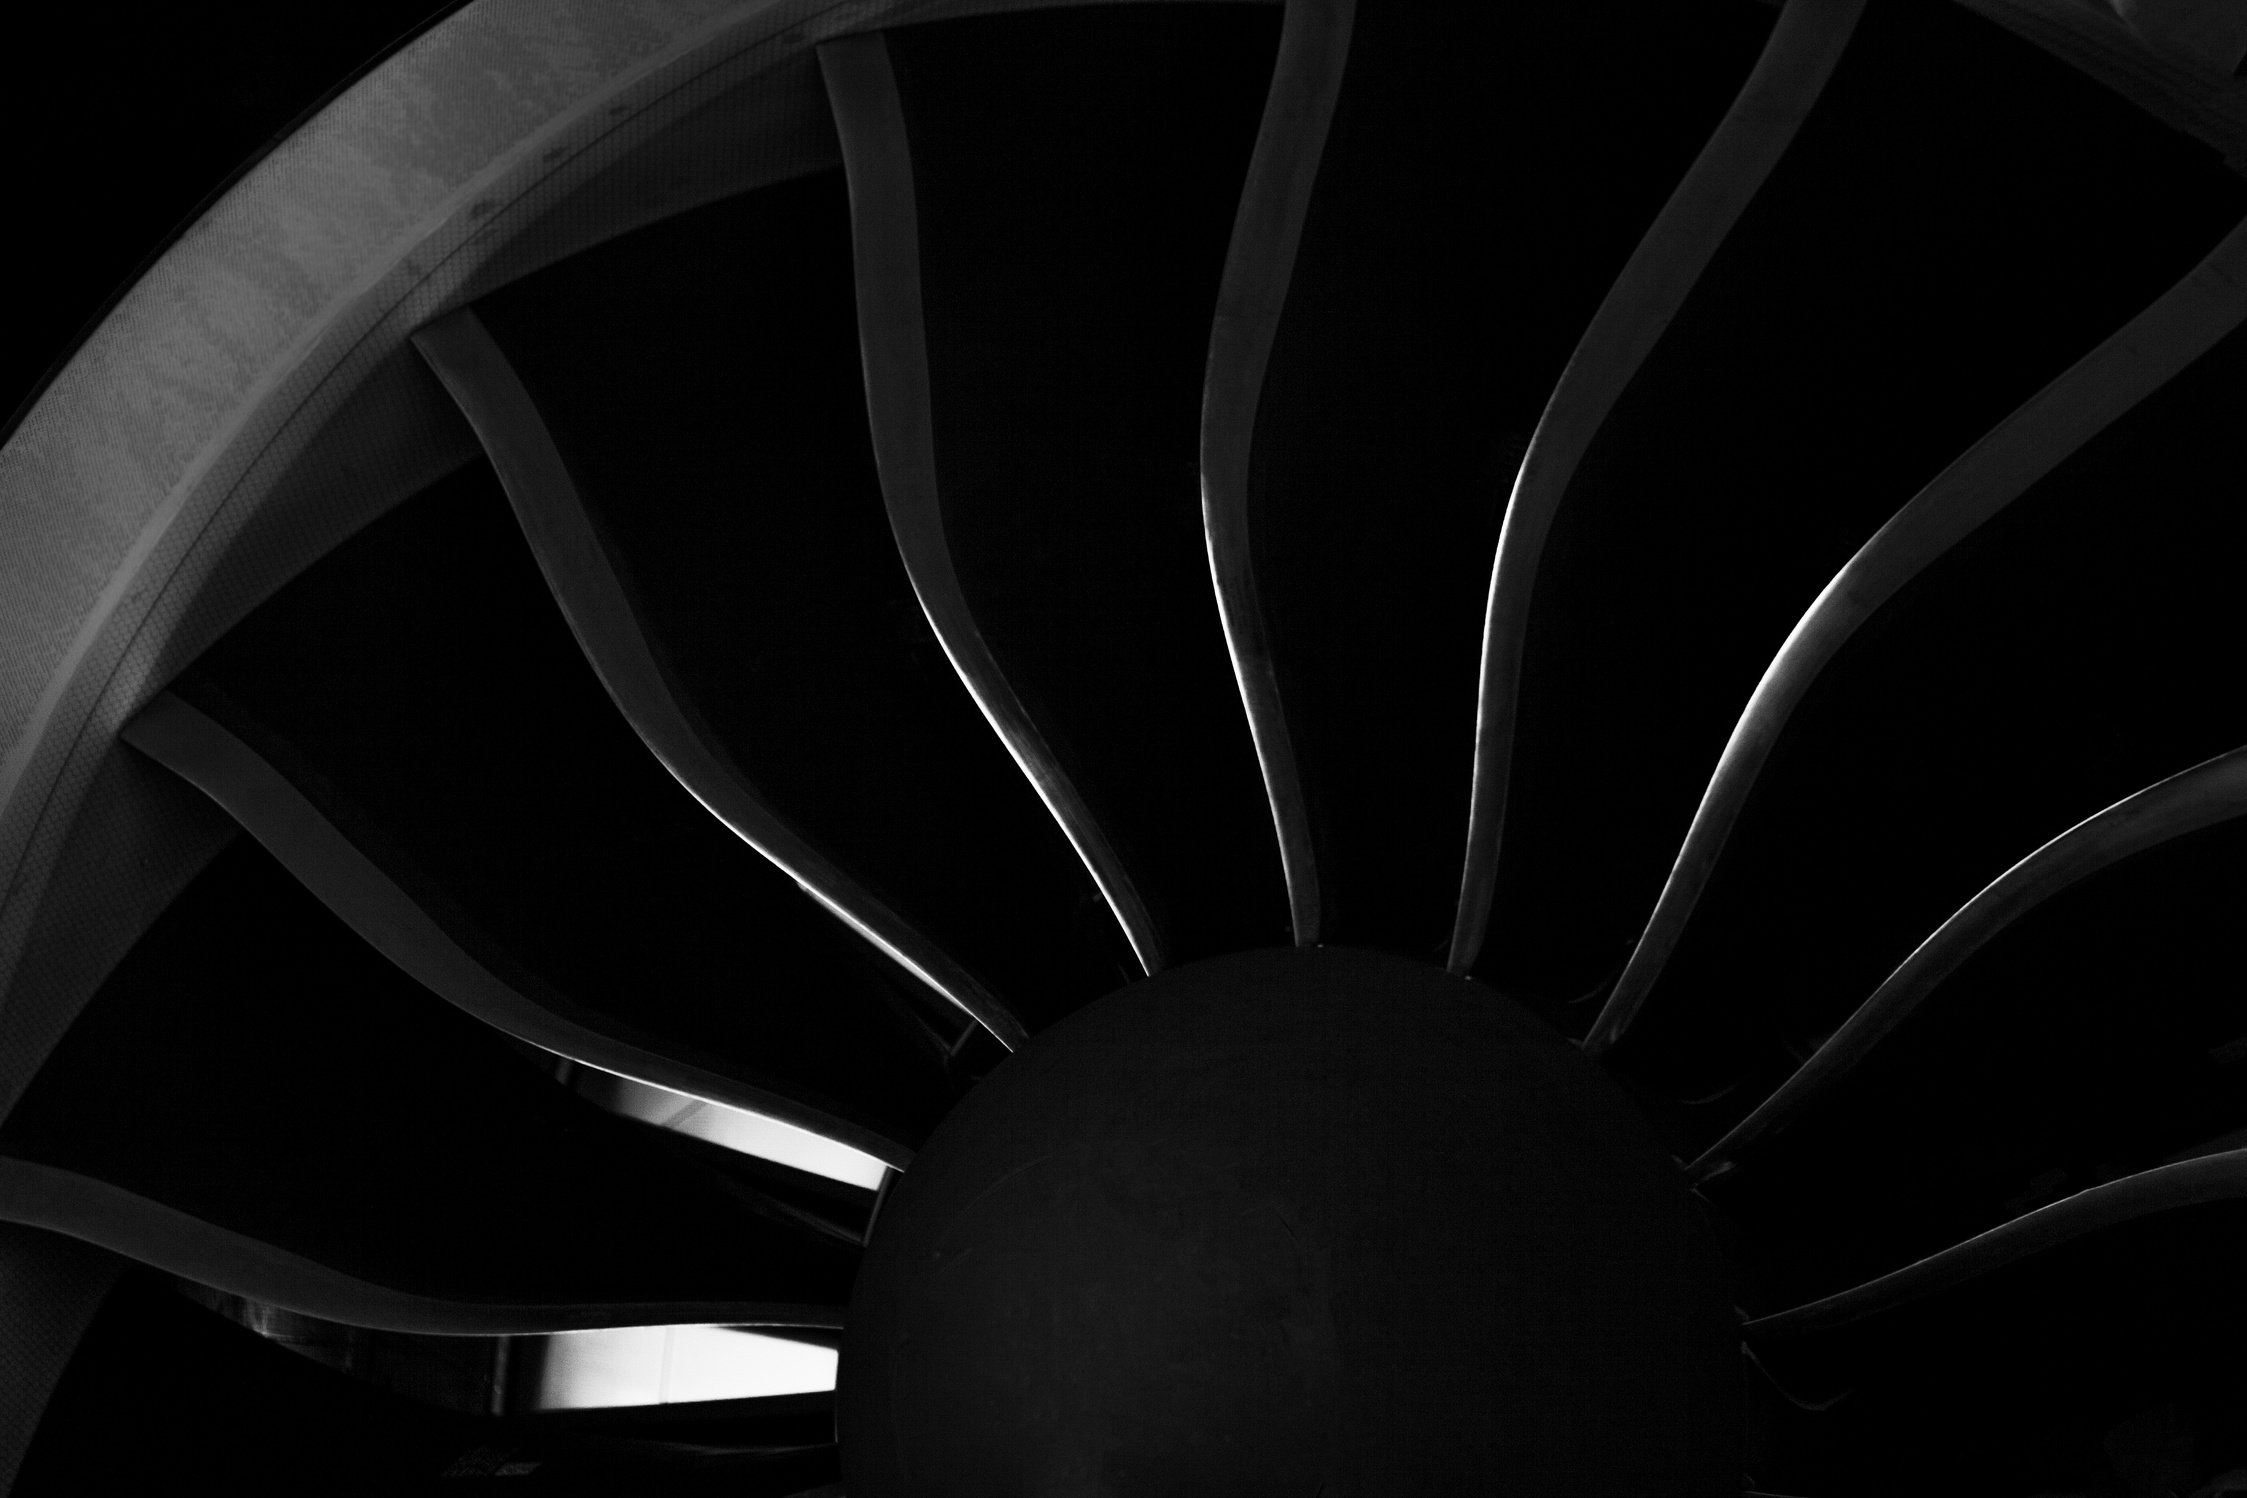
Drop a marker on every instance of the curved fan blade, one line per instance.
(2206, 794)
(1724, 178)
(145, 1229)
(1306, 78)
(350, 884)
(2053, 661)
(163, 1386)
(2210, 1178)
(2145, 353)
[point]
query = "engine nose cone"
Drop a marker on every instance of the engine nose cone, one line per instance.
(1292, 1222)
